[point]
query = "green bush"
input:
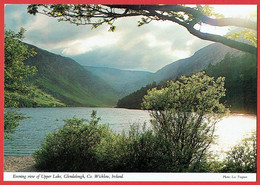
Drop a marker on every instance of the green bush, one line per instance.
(138, 151)
(72, 147)
(82, 145)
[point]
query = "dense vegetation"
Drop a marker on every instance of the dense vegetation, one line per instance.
(242, 157)
(178, 140)
(185, 113)
(91, 146)
(240, 84)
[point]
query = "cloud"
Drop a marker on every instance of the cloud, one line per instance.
(139, 58)
(149, 47)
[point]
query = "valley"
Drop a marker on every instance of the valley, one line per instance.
(89, 86)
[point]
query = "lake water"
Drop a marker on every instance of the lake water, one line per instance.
(31, 132)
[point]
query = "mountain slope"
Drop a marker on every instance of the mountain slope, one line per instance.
(69, 82)
(122, 81)
(210, 54)
(240, 81)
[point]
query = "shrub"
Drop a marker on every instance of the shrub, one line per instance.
(242, 157)
(140, 151)
(72, 147)
(185, 113)
(92, 147)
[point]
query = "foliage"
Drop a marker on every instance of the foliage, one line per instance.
(241, 87)
(80, 146)
(72, 147)
(15, 71)
(93, 147)
(11, 121)
(242, 157)
(186, 16)
(16, 74)
(246, 34)
(141, 150)
(185, 113)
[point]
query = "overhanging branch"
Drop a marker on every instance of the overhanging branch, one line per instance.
(245, 23)
(220, 39)
(212, 37)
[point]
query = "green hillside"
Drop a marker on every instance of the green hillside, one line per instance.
(69, 82)
(37, 98)
(210, 54)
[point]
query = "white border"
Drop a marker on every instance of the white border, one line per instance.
(166, 177)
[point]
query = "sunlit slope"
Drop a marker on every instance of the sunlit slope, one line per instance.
(69, 82)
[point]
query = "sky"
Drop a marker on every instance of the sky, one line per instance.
(146, 48)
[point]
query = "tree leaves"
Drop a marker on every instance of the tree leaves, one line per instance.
(16, 72)
(198, 93)
(185, 113)
(246, 34)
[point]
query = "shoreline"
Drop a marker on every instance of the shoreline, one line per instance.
(19, 164)
(231, 112)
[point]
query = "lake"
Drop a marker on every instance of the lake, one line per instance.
(31, 132)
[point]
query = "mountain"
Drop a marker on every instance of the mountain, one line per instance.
(122, 81)
(77, 85)
(210, 54)
(68, 81)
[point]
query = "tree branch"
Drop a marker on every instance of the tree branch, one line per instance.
(212, 37)
(196, 13)
(230, 22)
(228, 42)
(182, 15)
